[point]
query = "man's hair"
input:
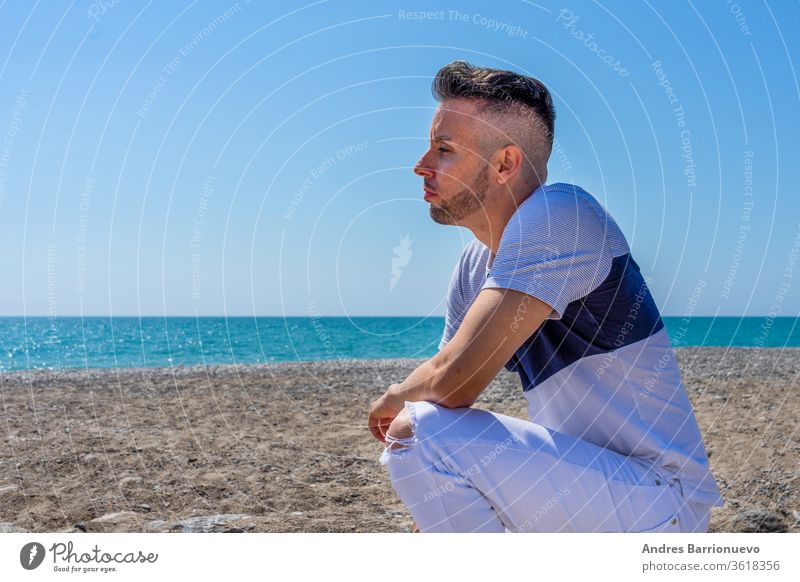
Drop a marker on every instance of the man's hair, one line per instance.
(499, 92)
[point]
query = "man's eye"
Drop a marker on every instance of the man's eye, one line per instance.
(441, 149)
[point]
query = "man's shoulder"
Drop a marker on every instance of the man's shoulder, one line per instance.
(568, 213)
(567, 188)
(553, 199)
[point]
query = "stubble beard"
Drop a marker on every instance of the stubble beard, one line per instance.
(463, 204)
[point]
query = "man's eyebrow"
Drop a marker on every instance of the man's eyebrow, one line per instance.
(441, 138)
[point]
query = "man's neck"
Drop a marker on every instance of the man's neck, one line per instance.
(490, 230)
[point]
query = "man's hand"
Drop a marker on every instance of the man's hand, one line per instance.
(383, 411)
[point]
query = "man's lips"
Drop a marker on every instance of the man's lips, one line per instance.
(428, 194)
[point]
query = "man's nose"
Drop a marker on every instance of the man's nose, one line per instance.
(422, 169)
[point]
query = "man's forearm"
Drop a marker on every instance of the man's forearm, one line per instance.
(435, 381)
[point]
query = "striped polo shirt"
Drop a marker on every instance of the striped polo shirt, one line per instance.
(601, 367)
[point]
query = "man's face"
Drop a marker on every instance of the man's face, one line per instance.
(456, 176)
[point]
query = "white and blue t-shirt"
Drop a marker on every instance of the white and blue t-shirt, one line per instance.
(601, 367)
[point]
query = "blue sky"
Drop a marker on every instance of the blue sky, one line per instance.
(255, 158)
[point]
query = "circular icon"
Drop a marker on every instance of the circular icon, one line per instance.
(31, 555)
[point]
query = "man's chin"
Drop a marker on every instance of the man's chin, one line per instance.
(440, 215)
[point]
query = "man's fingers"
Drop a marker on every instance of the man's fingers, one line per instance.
(380, 417)
(379, 427)
(376, 428)
(377, 433)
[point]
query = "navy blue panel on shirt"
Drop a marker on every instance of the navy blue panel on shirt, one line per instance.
(619, 312)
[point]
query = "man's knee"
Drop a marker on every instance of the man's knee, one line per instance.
(417, 421)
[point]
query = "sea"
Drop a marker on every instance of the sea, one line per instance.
(122, 342)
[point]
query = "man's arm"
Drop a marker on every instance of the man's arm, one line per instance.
(497, 323)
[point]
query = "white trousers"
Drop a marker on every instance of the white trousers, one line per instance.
(471, 470)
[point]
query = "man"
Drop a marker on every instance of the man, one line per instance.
(549, 289)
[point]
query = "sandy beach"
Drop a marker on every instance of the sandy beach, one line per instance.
(285, 448)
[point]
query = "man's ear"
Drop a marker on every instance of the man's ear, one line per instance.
(509, 163)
